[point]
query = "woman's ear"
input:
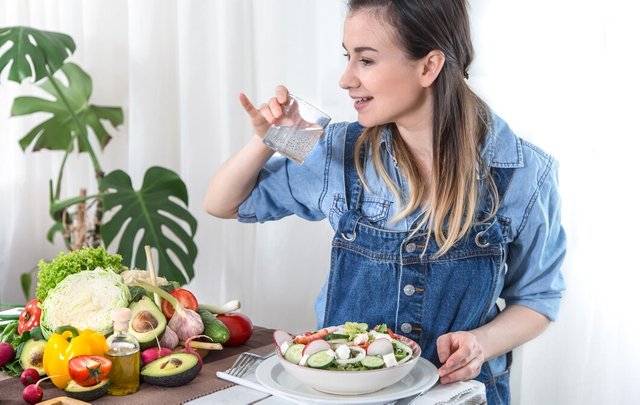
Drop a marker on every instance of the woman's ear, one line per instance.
(431, 66)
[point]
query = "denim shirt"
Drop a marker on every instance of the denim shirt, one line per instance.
(536, 240)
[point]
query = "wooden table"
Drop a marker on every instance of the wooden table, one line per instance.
(206, 383)
(207, 388)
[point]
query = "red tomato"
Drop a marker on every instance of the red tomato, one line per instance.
(89, 370)
(239, 325)
(184, 297)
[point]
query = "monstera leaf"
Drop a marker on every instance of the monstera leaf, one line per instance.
(71, 111)
(153, 212)
(46, 50)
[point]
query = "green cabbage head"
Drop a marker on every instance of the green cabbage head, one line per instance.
(84, 300)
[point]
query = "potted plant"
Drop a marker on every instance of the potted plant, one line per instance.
(115, 212)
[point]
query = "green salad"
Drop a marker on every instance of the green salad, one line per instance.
(349, 347)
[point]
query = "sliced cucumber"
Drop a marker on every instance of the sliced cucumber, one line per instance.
(402, 351)
(336, 336)
(294, 353)
(321, 359)
(372, 362)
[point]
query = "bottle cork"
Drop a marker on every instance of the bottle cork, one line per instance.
(120, 317)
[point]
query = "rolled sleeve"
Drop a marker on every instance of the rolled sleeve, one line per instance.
(286, 188)
(535, 256)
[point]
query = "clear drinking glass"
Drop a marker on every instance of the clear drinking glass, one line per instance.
(296, 132)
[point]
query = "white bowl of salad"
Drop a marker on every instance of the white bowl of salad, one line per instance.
(349, 359)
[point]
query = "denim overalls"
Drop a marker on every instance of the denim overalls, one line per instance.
(379, 276)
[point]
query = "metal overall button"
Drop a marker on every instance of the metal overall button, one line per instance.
(410, 248)
(409, 290)
(480, 241)
(348, 238)
(406, 327)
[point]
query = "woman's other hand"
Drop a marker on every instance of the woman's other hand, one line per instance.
(267, 114)
(461, 356)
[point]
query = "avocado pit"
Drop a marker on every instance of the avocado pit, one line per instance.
(144, 321)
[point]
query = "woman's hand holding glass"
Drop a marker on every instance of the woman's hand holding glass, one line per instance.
(268, 113)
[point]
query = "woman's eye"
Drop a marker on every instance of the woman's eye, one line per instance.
(365, 62)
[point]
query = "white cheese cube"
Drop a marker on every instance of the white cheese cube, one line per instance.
(343, 352)
(390, 360)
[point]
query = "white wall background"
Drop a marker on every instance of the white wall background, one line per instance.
(563, 73)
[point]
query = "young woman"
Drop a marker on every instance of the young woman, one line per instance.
(439, 209)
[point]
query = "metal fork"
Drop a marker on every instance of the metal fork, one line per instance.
(245, 361)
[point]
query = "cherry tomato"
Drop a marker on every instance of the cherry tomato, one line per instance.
(239, 325)
(89, 370)
(184, 297)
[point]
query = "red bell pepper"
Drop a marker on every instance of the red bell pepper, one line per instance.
(29, 317)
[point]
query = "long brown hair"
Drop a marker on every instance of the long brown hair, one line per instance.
(460, 121)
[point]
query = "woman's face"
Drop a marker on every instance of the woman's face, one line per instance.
(383, 82)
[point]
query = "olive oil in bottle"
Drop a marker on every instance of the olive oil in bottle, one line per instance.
(124, 353)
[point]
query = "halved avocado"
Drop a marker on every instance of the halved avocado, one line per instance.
(32, 353)
(93, 392)
(171, 371)
(147, 322)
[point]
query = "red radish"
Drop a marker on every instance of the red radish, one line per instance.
(281, 337)
(29, 376)
(188, 349)
(32, 393)
(315, 347)
(6, 353)
(380, 346)
(154, 353)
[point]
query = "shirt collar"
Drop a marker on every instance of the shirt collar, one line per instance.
(502, 148)
(386, 143)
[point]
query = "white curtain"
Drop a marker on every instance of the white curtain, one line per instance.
(563, 73)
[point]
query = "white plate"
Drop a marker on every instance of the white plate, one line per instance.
(272, 375)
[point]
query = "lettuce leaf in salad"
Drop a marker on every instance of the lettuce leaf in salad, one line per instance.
(355, 328)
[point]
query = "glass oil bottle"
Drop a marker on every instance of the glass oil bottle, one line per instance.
(124, 353)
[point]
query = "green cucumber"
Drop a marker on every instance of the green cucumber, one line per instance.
(372, 362)
(334, 336)
(321, 359)
(213, 327)
(294, 353)
(401, 350)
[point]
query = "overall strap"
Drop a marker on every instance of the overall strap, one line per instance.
(502, 177)
(352, 185)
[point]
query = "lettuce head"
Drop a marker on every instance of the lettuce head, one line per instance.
(84, 300)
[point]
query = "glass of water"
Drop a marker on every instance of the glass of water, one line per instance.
(296, 132)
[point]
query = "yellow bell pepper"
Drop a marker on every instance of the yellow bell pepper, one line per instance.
(66, 343)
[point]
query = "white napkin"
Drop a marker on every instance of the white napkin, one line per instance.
(457, 393)
(249, 380)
